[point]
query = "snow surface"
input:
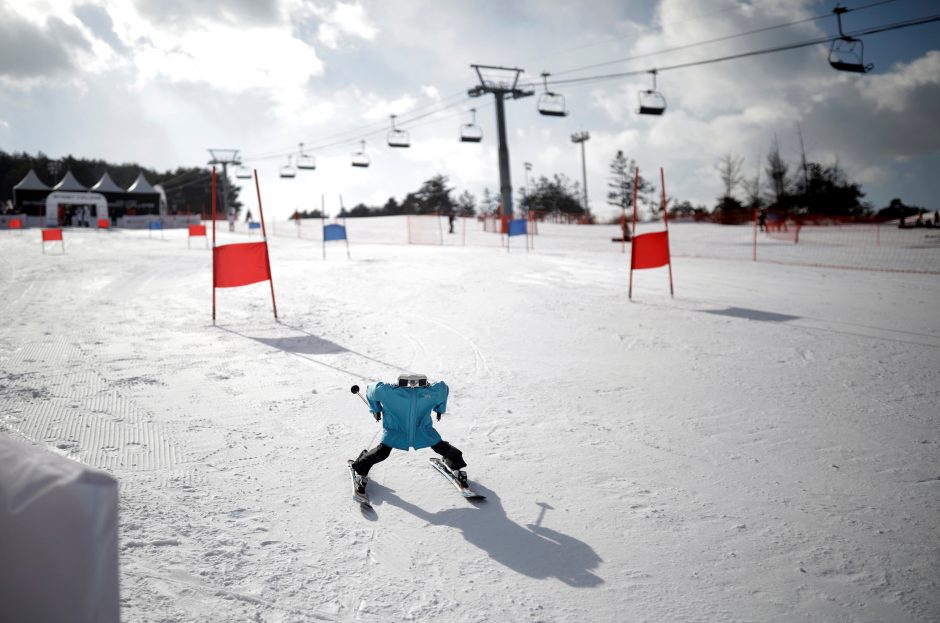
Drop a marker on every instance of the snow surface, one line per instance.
(762, 447)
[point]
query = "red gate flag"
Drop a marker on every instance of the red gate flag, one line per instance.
(650, 250)
(15, 224)
(197, 230)
(103, 223)
(49, 235)
(240, 264)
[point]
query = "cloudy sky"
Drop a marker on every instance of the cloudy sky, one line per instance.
(158, 82)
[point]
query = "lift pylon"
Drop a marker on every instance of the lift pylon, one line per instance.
(503, 83)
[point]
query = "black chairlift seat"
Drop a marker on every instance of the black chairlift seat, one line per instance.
(551, 104)
(652, 101)
(396, 137)
(288, 171)
(471, 132)
(243, 173)
(305, 161)
(847, 54)
(361, 158)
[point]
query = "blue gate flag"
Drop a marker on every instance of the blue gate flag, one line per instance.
(334, 232)
(517, 227)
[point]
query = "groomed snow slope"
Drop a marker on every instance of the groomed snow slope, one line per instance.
(762, 447)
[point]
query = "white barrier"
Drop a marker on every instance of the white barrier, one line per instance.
(58, 537)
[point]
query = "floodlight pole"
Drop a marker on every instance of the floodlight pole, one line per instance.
(582, 137)
(501, 91)
(525, 189)
(224, 157)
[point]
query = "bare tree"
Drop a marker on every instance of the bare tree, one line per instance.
(729, 168)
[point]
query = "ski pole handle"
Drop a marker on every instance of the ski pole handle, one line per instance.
(355, 389)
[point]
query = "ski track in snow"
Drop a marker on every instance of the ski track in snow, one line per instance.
(763, 447)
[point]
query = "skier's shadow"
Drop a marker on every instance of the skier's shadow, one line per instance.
(532, 550)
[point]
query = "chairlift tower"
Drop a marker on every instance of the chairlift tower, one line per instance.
(224, 157)
(502, 82)
(582, 137)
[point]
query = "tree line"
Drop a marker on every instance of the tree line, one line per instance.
(188, 189)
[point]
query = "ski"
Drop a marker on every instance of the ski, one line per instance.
(362, 498)
(467, 492)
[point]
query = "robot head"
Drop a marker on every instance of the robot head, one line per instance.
(412, 380)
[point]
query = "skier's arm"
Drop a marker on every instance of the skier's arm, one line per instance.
(442, 391)
(373, 397)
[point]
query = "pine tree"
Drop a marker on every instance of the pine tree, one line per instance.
(620, 184)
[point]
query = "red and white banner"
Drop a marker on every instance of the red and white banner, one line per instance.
(52, 234)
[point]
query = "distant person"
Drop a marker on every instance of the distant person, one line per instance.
(762, 220)
(936, 218)
(231, 219)
(920, 220)
(248, 216)
(450, 221)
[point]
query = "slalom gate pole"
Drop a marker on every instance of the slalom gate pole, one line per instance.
(342, 210)
(662, 181)
(213, 246)
(754, 254)
(323, 223)
(636, 180)
(264, 235)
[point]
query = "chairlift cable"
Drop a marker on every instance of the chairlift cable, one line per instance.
(782, 48)
(353, 135)
(715, 40)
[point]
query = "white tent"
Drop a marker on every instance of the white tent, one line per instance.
(107, 185)
(141, 187)
(69, 184)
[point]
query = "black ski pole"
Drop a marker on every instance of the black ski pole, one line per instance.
(355, 389)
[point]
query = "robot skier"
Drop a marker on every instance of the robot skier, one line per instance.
(404, 408)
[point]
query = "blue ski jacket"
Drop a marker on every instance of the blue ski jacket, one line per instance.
(406, 413)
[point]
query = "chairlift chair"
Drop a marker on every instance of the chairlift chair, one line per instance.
(243, 173)
(847, 53)
(652, 101)
(551, 104)
(396, 137)
(361, 158)
(471, 132)
(305, 161)
(288, 171)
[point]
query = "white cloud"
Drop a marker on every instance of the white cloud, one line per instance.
(344, 20)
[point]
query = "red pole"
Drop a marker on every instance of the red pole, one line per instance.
(636, 180)
(755, 235)
(264, 235)
(623, 230)
(213, 245)
(662, 181)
